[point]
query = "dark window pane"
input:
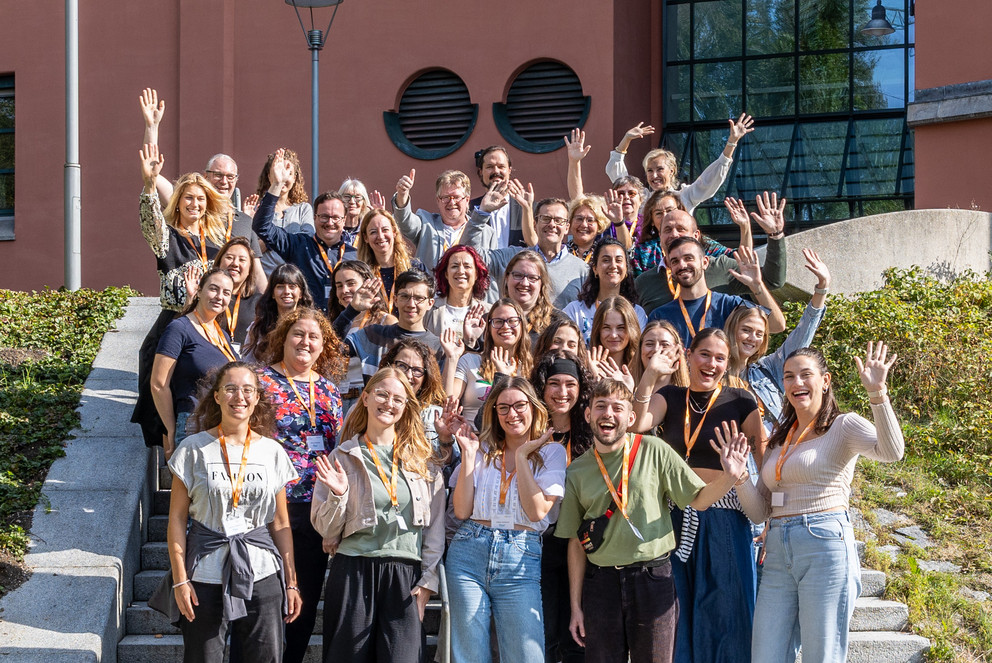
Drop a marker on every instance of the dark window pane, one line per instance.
(717, 91)
(873, 159)
(7, 191)
(6, 151)
(818, 212)
(770, 26)
(911, 83)
(677, 99)
(823, 83)
(718, 29)
(817, 160)
(823, 24)
(908, 170)
(6, 112)
(880, 79)
(678, 27)
(761, 161)
(771, 87)
(674, 142)
(706, 147)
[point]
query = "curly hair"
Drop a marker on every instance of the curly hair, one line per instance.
(539, 317)
(266, 309)
(521, 349)
(648, 230)
(829, 410)
(579, 431)
(481, 284)
(216, 216)
(493, 437)
(630, 321)
(431, 392)
(208, 413)
(334, 306)
(401, 255)
(590, 288)
(297, 192)
(331, 363)
(412, 446)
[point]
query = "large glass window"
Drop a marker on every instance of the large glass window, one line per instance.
(6, 157)
(829, 102)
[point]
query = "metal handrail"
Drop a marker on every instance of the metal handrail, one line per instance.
(444, 630)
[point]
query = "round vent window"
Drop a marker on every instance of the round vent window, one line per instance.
(544, 103)
(435, 116)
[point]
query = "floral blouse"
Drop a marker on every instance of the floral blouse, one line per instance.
(293, 421)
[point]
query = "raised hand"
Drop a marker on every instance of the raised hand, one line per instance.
(377, 201)
(151, 164)
(151, 108)
(818, 267)
(474, 325)
(191, 279)
(640, 131)
(452, 344)
(663, 362)
(332, 476)
(367, 295)
(577, 148)
(280, 172)
(771, 213)
(496, 197)
(449, 419)
(614, 208)
(743, 126)
(250, 206)
(748, 269)
(530, 446)
(738, 213)
(597, 355)
(523, 196)
(732, 446)
(875, 368)
(403, 187)
(503, 361)
(467, 440)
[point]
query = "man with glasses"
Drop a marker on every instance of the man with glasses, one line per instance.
(414, 298)
(316, 253)
(567, 272)
(433, 233)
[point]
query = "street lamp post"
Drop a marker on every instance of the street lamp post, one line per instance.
(73, 257)
(315, 42)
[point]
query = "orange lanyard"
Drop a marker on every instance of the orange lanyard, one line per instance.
(236, 484)
(203, 245)
(702, 321)
(232, 318)
(690, 441)
(448, 245)
(230, 227)
(323, 254)
(621, 498)
(312, 408)
(216, 337)
(568, 451)
(673, 287)
(388, 482)
(785, 453)
(504, 481)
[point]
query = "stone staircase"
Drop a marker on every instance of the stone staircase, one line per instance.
(151, 639)
(877, 627)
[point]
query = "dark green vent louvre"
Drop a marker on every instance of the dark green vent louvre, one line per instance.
(436, 111)
(545, 102)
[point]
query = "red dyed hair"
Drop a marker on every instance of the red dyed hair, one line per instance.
(481, 271)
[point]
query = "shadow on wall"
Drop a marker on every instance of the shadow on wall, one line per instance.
(945, 242)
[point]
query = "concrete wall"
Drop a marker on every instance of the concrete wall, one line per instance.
(859, 250)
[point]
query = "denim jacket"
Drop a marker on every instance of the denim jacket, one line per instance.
(338, 516)
(766, 375)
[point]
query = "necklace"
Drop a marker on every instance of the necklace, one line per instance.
(698, 408)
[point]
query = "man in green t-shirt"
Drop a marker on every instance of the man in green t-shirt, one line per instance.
(626, 584)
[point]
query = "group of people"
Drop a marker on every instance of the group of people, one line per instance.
(568, 404)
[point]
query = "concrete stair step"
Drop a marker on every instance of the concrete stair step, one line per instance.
(155, 555)
(160, 502)
(874, 614)
(145, 583)
(169, 649)
(867, 647)
(164, 478)
(872, 583)
(158, 527)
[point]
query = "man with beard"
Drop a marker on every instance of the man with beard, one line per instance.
(696, 306)
(656, 287)
(625, 585)
(493, 165)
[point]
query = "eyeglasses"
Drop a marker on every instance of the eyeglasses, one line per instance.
(349, 198)
(232, 390)
(529, 278)
(382, 396)
(412, 371)
(512, 323)
(406, 298)
(519, 407)
(324, 218)
(559, 221)
(451, 199)
(584, 219)
(230, 177)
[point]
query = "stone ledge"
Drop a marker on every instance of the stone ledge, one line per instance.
(951, 103)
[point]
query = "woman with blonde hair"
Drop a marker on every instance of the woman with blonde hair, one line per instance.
(526, 281)
(505, 488)
(380, 246)
(587, 220)
(356, 206)
(379, 505)
(294, 213)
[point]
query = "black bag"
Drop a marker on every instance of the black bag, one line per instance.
(592, 530)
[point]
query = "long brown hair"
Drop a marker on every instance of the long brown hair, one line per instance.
(633, 326)
(401, 256)
(680, 378)
(547, 338)
(539, 316)
(431, 391)
(331, 363)
(493, 437)
(193, 301)
(334, 307)
(208, 414)
(297, 192)
(521, 349)
(737, 317)
(412, 446)
(829, 410)
(216, 216)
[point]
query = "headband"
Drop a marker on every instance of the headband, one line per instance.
(564, 366)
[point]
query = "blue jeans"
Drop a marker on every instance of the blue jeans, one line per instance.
(495, 572)
(811, 578)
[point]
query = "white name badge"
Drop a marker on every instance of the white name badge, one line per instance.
(401, 522)
(237, 348)
(327, 292)
(315, 441)
(234, 523)
(503, 520)
(778, 499)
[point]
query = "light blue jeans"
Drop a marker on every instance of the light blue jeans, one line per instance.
(495, 572)
(811, 578)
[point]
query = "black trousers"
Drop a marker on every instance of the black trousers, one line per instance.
(629, 611)
(259, 633)
(369, 614)
(559, 645)
(311, 565)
